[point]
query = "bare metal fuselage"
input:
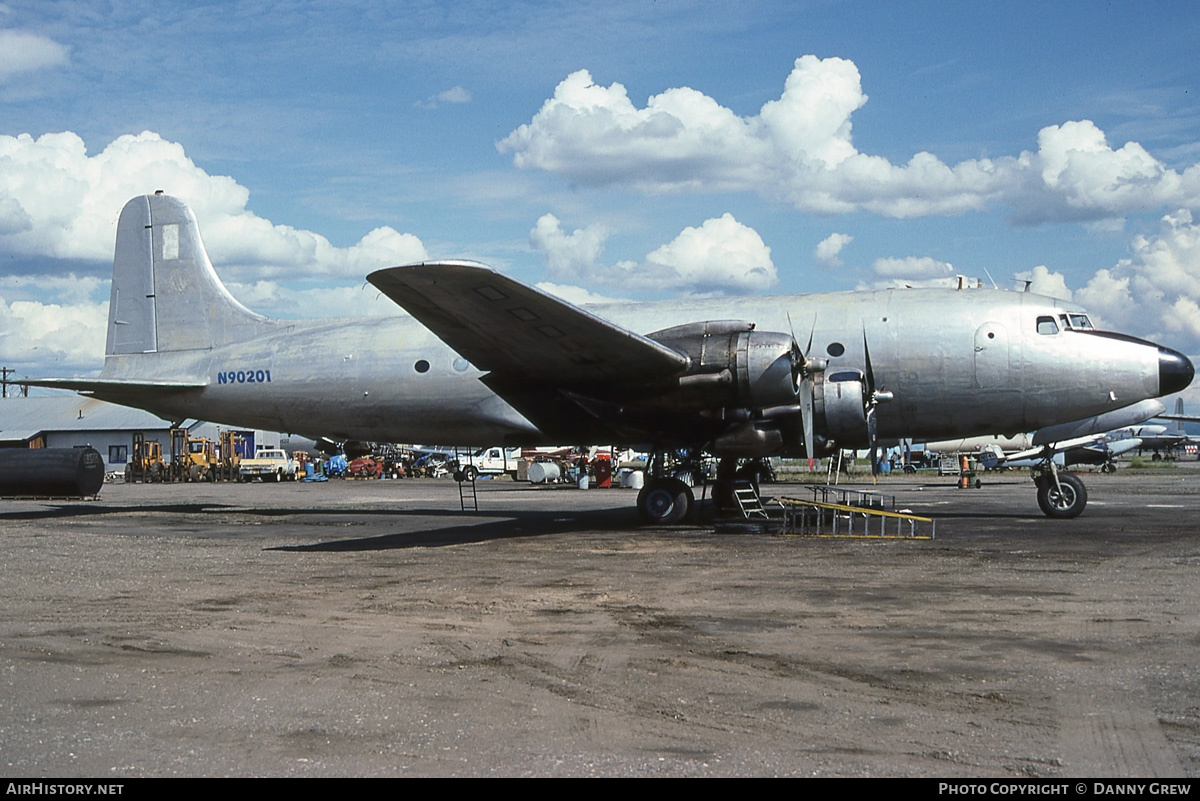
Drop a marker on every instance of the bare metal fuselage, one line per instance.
(958, 363)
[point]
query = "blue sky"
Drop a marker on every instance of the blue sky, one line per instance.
(620, 150)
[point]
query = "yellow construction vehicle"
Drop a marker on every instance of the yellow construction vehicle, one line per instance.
(145, 461)
(230, 458)
(192, 458)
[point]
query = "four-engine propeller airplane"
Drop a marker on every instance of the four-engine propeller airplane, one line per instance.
(487, 359)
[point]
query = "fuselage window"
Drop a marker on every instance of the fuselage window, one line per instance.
(1046, 325)
(421, 366)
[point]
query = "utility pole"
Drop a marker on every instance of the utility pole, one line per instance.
(4, 374)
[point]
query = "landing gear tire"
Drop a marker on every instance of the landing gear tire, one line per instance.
(1109, 467)
(665, 501)
(1064, 501)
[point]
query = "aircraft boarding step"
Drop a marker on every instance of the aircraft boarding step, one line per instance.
(466, 486)
(844, 512)
(748, 500)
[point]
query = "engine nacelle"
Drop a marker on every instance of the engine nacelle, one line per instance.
(841, 408)
(734, 366)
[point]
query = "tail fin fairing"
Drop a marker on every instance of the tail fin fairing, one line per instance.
(165, 294)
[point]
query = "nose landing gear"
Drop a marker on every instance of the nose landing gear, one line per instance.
(1060, 495)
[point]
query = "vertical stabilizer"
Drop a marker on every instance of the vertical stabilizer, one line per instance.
(1176, 426)
(165, 294)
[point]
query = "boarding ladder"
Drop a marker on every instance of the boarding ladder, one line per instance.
(843, 512)
(466, 486)
(748, 500)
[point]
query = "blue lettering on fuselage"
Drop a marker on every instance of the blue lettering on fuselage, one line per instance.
(243, 376)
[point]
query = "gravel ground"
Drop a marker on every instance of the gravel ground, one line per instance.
(372, 628)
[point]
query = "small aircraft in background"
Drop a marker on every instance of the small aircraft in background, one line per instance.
(486, 359)
(1090, 441)
(1165, 441)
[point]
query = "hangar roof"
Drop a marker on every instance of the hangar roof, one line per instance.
(23, 418)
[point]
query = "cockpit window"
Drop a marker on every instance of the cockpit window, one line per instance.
(1046, 325)
(1076, 322)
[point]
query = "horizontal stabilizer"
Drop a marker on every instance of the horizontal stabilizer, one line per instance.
(110, 385)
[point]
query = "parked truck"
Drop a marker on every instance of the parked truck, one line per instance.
(269, 464)
(492, 461)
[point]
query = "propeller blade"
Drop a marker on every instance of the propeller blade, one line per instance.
(806, 418)
(873, 439)
(867, 356)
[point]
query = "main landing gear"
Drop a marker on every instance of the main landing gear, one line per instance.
(664, 500)
(1060, 495)
(667, 499)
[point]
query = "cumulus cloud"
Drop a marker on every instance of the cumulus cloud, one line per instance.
(68, 289)
(66, 326)
(23, 52)
(1082, 176)
(56, 200)
(800, 148)
(1044, 282)
(1108, 298)
(1154, 292)
(910, 272)
(722, 254)
(572, 255)
(719, 256)
(828, 250)
(306, 302)
(576, 294)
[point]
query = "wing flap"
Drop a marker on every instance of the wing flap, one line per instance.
(505, 327)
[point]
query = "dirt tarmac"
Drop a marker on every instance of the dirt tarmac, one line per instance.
(373, 629)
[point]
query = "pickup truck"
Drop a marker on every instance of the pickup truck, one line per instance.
(269, 465)
(490, 461)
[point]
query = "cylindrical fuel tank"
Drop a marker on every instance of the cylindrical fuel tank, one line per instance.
(542, 472)
(51, 471)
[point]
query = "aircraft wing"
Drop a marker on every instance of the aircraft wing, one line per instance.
(1062, 445)
(518, 332)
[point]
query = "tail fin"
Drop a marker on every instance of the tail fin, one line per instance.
(1176, 426)
(165, 294)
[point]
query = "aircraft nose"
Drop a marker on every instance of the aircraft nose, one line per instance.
(1175, 371)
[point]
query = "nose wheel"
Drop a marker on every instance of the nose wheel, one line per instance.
(1063, 498)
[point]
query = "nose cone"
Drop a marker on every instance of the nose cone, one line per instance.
(1175, 371)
